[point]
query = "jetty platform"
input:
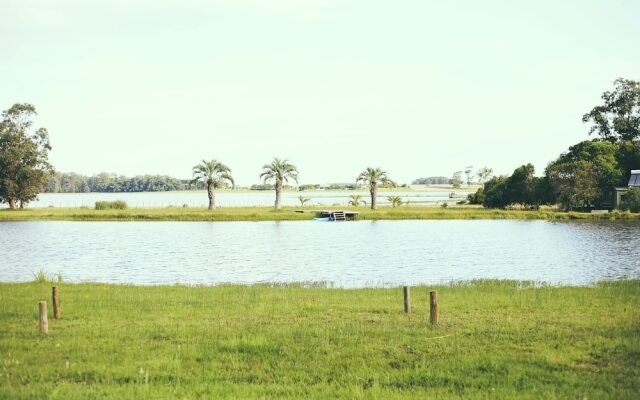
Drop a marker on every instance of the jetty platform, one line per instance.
(334, 215)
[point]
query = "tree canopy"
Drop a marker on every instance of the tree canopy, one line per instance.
(456, 179)
(522, 187)
(70, 182)
(24, 151)
(586, 174)
(619, 117)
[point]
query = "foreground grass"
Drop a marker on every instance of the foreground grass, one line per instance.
(290, 214)
(496, 339)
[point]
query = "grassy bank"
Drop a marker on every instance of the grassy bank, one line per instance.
(290, 214)
(496, 339)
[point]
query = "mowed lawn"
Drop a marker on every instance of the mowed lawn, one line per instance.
(495, 339)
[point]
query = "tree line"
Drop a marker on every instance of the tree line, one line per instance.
(585, 176)
(70, 182)
(480, 176)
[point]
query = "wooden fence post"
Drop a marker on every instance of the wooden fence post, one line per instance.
(433, 307)
(407, 299)
(44, 325)
(56, 303)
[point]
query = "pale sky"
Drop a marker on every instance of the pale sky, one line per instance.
(419, 88)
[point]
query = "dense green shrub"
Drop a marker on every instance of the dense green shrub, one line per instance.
(522, 187)
(495, 193)
(477, 197)
(631, 200)
(111, 205)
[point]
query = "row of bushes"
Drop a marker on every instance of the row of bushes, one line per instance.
(111, 205)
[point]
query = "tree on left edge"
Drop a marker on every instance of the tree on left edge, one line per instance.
(24, 156)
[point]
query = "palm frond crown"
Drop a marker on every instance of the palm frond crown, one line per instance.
(212, 173)
(279, 170)
(374, 175)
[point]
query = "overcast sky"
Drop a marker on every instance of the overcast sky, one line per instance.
(419, 88)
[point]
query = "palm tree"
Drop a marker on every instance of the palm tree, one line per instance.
(355, 200)
(371, 177)
(303, 200)
(395, 201)
(280, 171)
(214, 174)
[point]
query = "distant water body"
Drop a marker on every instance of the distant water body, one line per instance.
(234, 199)
(344, 254)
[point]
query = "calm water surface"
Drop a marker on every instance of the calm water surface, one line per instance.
(235, 199)
(348, 254)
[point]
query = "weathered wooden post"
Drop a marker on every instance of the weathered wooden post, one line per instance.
(56, 303)
(44, 324)
(407, 299)
(433, 307)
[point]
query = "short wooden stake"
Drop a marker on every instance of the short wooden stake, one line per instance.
(433, 307)
(407, 299)
(44, 324)
(56, 303)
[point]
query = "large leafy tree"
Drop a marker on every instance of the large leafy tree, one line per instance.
(279, 171)
(619, 117)
(522, 187)
(372, 177)
(628, 157)
(631, 200)
(495, 192)
(575, 184)
(585, 175)
(24, 151)
(215, 175)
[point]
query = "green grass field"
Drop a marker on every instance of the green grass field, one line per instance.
(496, 339)
(288, 213)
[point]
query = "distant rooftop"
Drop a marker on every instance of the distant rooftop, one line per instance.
(634, 181)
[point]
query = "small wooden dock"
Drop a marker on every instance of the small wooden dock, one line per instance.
(334, 215)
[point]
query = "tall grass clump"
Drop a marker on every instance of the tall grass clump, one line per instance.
(111, 205)
(41, 276)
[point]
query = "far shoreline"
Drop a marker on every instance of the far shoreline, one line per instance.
(409, 188)
(267, 213)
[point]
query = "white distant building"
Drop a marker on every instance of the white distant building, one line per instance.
(634, 182)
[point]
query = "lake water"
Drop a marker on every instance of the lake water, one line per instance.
(234, 199)
(346, 254)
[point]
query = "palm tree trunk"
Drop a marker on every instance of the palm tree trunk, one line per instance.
(278, 193)
(212, 196)
(374, 195)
